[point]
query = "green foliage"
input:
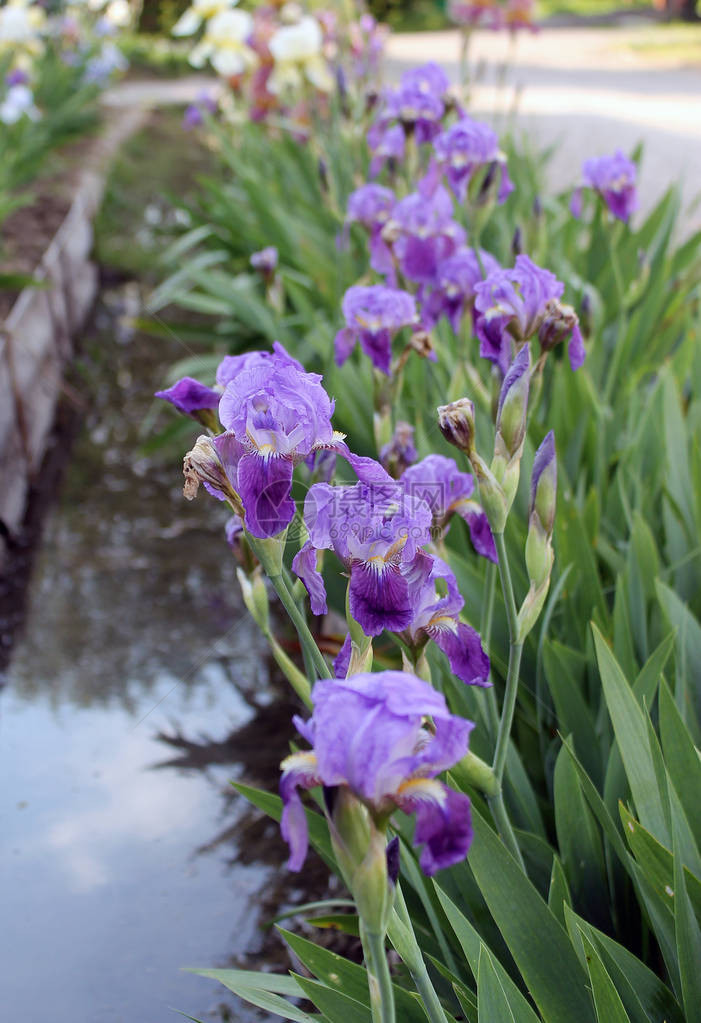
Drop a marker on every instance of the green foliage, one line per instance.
(603, 775)
(69, 109)
(152, 53)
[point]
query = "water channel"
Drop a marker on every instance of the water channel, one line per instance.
(134, 690)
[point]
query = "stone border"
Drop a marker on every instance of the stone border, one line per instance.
(36, 340)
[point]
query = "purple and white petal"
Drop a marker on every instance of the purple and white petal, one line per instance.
(462, 646)
(304, 566)
(264, 483)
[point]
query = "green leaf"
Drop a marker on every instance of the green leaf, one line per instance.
(471, 945)
(466, 995)
(272, 806)
(661, 920)
(331, 969)
(491, 996)
(308, 907)
(348, 923)
(348, 978)
(558, 895)
(678, 481)
(633, 742)
(538, 943)
(688, 648)
(467, 1003)
(644, 994)
(562, 668)
(609, 1007)
(335, 1006)
(682, 759)
(688, 935)
(263, 990)
(579, 842)
(657, 862)
(645, 685)
(409, 869)
(599, 807)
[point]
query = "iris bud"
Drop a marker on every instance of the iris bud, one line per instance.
(457, 424)
(558, 323)
(541, 519)
(372, 891)
(360, 848)
(512, 410)
(544, 485)
(255, 597)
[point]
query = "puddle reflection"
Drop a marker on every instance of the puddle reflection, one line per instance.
(137, 691)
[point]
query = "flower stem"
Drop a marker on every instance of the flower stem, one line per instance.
(379, 979)
(272, 565)
(401, 934)
(496, 802)
(613, 365)
(299, 621)
(505, 828)
(507, 711)
(486, 635)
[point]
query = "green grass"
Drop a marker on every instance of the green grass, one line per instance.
(427, 15)
(670, 44)
(156, 55)
(136, 217)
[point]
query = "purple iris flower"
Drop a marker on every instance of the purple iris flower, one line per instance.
(194, 114)
(399, 452)
(385, 142)
(373, 316)
(275, 415)
(233, 529)
(369, 733)
(232, 365)
(614, 178)
(376, 531)
(466, 147)
(512, 306)
(16, 77)
(425, 234)
(476, 13)
(192, 118)
(437, 617)
(371, 205)
(265, 261)
(454, 290)
(447, 491)
(427, 78)
(417, 105)
(191, 398)
(415, 109)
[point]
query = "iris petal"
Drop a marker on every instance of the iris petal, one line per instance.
(264, 483)
(299, 770)
(379, 598)
(464, 651)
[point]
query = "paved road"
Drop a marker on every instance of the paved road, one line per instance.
(587, 90)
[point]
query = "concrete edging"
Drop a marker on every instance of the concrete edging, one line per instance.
(36, 339)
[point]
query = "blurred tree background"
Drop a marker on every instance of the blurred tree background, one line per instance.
(159, 16)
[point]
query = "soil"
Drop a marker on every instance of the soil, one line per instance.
(28, 230)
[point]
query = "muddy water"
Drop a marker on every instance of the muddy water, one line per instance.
(135, 690)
